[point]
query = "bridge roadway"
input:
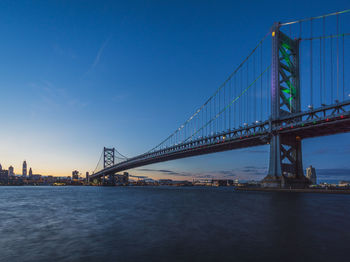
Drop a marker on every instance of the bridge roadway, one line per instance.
(326, 120)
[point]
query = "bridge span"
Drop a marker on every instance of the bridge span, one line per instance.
(266, 85)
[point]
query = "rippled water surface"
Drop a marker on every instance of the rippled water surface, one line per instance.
(171, 224)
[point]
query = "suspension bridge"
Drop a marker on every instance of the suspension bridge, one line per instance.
(293, 85)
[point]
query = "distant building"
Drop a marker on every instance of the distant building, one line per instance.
(24, 169)
(122, 179)
(30, 173)
(87, 177)
(36, 177)
(75, 174)
(165, 182)
(11, 171)
(344, 183)
(222, 182)
(3, 174)
(0, 167)
(311, 174)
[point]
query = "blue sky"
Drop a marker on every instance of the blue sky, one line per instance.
(81, 75)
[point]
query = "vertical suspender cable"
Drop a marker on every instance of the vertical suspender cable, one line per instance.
(267, 92)
(206, 120)
(331, 49)
(224, 107)
(324, 58)
(220, 116)
(261, 83)
(254, 92)
(234, 105)
(246, 96)
(240, 101)
(210, 117)
(321, 70)
(337, 57)
(229, 99)
(343, 69)
(311, 91)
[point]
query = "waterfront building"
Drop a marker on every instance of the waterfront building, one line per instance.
(311, 174)
(344, 183)
(122, 180)
(165, 182)
(24, 169)
(11, 171)
(30, 173)
(75, 174)
(3, 174)
(0, 167)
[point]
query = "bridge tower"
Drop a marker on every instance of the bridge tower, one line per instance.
(285, 165)
(108, 161)
(108, 157)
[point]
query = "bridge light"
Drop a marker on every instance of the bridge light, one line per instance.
(298, 138)
(310, 107)
(273, 34)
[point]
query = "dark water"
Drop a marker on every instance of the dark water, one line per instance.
(171, 224)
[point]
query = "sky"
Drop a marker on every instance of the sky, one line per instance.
(80, 75)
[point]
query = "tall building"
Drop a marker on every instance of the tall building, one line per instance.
(30, 173)
(3, 175)
(0, 167)
(11, 172)
(24, 169)
(311, 174)
(75, 174)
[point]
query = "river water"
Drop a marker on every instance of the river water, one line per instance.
(171, 224)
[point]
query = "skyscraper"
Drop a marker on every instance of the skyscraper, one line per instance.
(11, 172)
(30, 172)
(24, 169)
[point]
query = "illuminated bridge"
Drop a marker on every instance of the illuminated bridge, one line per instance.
(292, 86)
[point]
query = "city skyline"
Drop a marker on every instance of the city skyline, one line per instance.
(71, 86)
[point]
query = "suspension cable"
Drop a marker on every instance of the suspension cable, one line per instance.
(316, 17)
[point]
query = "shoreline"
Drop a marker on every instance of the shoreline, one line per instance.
(287, 190)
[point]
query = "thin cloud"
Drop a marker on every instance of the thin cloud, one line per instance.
(53, 98)
(98, 55)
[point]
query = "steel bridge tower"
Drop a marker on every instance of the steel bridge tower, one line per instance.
(285, 165)
(108, 157)
(108, 161)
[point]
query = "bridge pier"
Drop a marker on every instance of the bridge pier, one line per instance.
(285, 165)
